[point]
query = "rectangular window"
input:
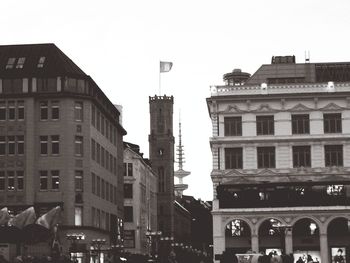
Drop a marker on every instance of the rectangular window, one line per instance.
(333, 155)
(44, 111)
(98, 152)
(301, 156)
(98, 186)
(20, 62)
(111, 193)
(11, 111)
(55, 144)
(79, 149)
(107, 129)
(11, 145)
(10, 180)
(20, 110)
(43, 145)
(128, 214)
(127, 190)
(79, 184)
(78, 216)
(43, 180)
(102, 189)
(98, 125)
(107, 160)
(10, 63)
(114, 165)
(130, 169)
(111, 163)
(93, 115)
(266, 157)
(103, 157)
(55, 180)
(2, 145)
(20, 145)
(93, 149)
(233, 126)
(332, 123)
(265, 125)
(93, 183)
(20, 180)
(107, 191)
(300, 124)
(233, 158)
(78, 111)
(55, 110)
(41, 62)
(2, 111)
(115, 194)
(2, 180)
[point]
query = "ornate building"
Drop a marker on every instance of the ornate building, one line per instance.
(281, 151)
(60, 144)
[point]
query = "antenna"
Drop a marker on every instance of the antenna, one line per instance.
(307, 56)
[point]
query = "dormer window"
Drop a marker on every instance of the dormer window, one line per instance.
(41, 62)
(10, 63)
(20, 62)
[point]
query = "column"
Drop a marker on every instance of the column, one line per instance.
(324, 248)
(255, 243)
(219, 246)
(288, 241)
(218, 235)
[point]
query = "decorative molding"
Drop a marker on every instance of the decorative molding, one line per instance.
(300, 107)
(265, 108)
(332, 107)
(233, 108)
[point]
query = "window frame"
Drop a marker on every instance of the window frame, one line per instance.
(265, 125)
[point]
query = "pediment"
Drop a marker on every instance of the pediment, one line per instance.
(233, 108)
(265, 108)
(233, 172)
(300, 107)
(266, 172)
(332, 107)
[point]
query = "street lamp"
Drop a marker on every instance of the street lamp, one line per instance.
(97, 244)
(153, 236)
(116, 249)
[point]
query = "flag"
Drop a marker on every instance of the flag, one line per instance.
(4, 216)
(50, 219)
(23, 219)
(165, 66)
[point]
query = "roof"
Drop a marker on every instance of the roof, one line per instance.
(56, 62)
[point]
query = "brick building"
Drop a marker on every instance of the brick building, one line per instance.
(60, 143)
(281, 170)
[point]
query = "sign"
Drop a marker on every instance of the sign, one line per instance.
(338, 254)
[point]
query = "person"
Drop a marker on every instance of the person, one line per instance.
(309, 259)
(264, 258)
(339, 258)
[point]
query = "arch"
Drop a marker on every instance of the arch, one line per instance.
(247, 231)
(330, 219)
(247, 221)
(258, 224)
(317, 221)
(237, 233)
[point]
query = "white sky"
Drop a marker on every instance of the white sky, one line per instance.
(120, 42)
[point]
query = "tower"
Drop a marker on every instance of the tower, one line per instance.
(180, 173)
(161, 154)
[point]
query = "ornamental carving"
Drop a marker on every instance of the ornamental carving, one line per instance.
(300, 107)
(265, 108)
(332, 107)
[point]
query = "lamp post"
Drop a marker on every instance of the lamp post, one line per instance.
(116, 249)
(97, 244)
(166, 246)
(74, 239)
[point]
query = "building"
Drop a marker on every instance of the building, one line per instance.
(161, 154)
(281, 170)
(60, 144)
(140, 200)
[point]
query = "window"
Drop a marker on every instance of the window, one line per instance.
(103, 157)
(93, 149)
(265, 125)
(43, 145)
(79, 184)
(93, 115)
(20, 62)
(114, 165)
(10, 63)
(78, 111)
(107, 191)
(233, 126)
(20, 145)
(11, 145)
(233, 158)
(98, 121)
(55, 144)
(102, 189)
(332, 123)
(20, 180)
(127, 190)
(333, 155)
(266, 157)
(55, 110)
(103, 125)
(98, 186)
(41, 62)
(79, 149)
(335, 190)
(2, 145)
(44, 112)
(98, 152)
(2, 111)
(55, 180)
(128, 214)
(107, 129)
(161, 178)
(93, 182)
(43, 180)
(78, 216)
(20, 110)
(10, 180)
(12, 86)
(130, 169)
(300, 124)
(111, 193)
(11, 111)
(2, 180)
(301, 156)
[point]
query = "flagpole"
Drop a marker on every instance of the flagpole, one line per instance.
(159, 80)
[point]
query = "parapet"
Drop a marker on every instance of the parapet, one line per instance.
(164, 98)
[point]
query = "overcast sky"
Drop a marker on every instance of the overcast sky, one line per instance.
(120, 43)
